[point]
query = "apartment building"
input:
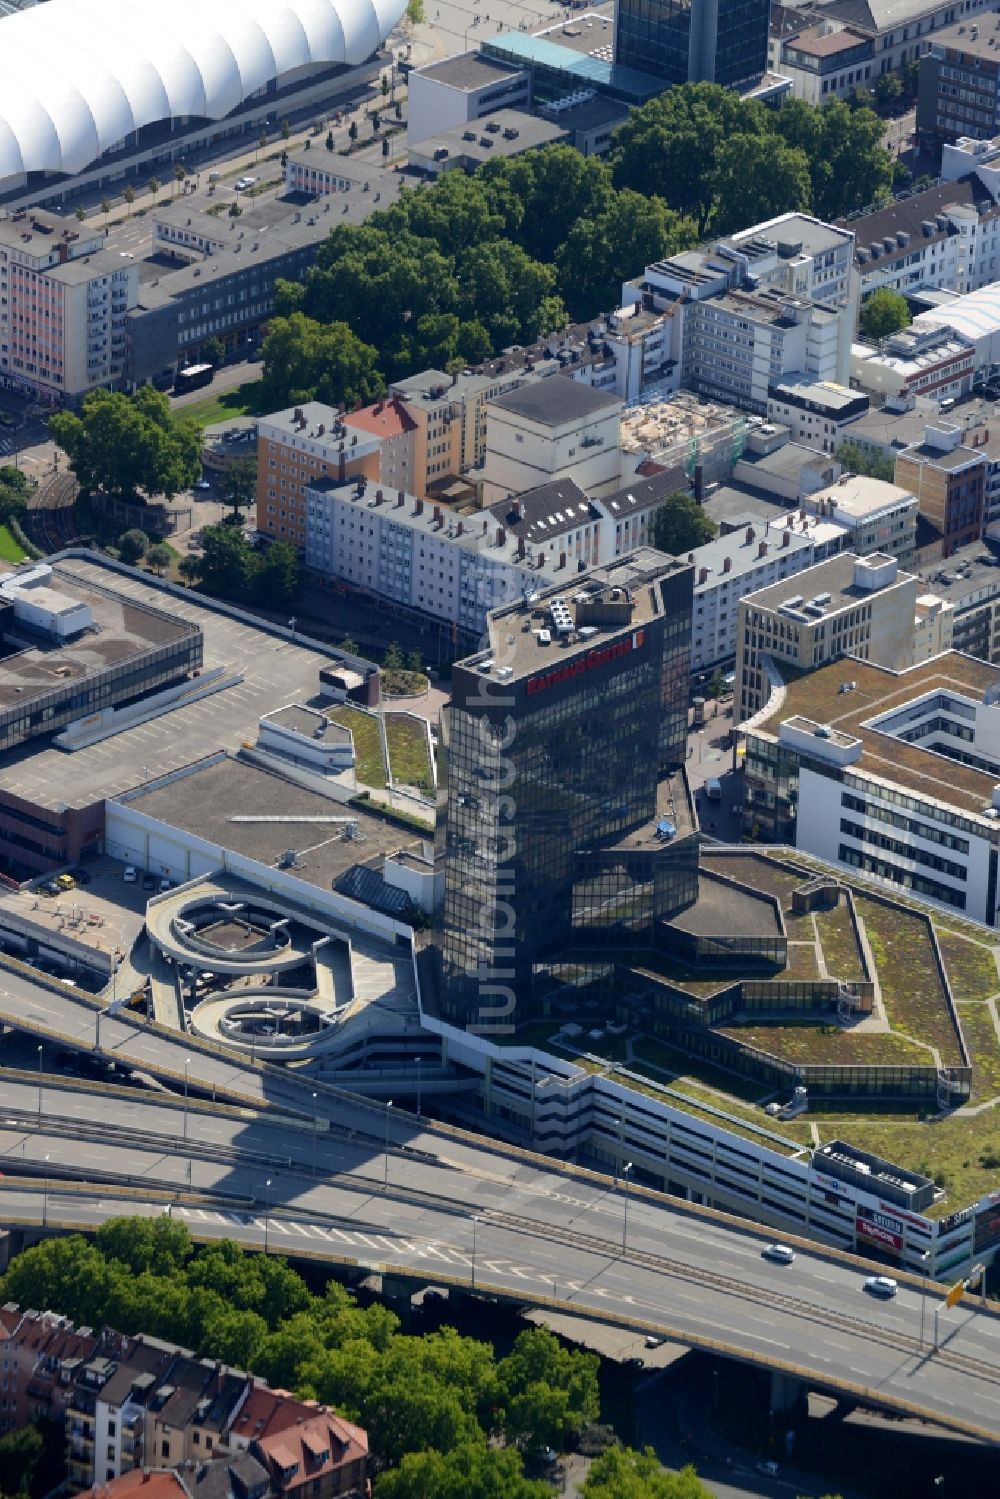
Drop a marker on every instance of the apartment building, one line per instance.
(64, 306)
(877, 516)
(845, 606)
(826, 60)
(772, 304)
(947, 236)
(817, 413)
(313, 1454)
(969, 585)
(552, 429)
(741, 561)
(960, 82)
(900, 32)
(949, 481)
(297, 446)
(456, 404)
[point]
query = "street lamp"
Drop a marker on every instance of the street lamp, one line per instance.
(475, 1222)
(267, 1200)
(385, 1176)
(187, 1063)
(420, 1063)
(924, 1257)
(625, 1171)
(39, 1084)
(45, 1194)
(315, 1132)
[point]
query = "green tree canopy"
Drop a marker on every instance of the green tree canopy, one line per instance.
(239, 482)
(547, 1392)
(680, 524)
(758, 177)
(133, 546)
(159, 557)
(470, 1471)
(622, 1473)
(213, 351)
(857, 460)
(600, 253)
(20, 1454)
(129, 445)
(304, 361)
(884, 312)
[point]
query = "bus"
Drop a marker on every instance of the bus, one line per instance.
(192, 378)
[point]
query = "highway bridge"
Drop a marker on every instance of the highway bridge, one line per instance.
(310, 1175)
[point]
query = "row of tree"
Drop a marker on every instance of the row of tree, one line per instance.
(445, 1416)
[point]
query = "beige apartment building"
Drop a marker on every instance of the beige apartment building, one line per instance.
(296, 447)
(846, 606)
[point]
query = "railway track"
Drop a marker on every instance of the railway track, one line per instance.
(51, 513)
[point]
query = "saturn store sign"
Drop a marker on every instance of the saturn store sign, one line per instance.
(879, 1228)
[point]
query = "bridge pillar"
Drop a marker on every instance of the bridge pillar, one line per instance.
(786, 1391)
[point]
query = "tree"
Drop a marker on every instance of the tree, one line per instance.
(128, 196)
(162, 1245)
(133, 546)
(81, 213)
(471, 1471)
(385, 148)
(884, 312)
(680, 525)
(105, 208)
(228, 562)
(286, 130)
(600, 253)
(154, 185)
(125, 445)
(717, 685)
(622, 1473)
(393, 658)
(758, 177)
(280, 574)
(180, 172)
(547, 1392)
(159, 557)
(350, 646)
(415, 662)
(888, 88)
(329, 140)
(213, 351)
(20, 1454)
(234, 210)
(415, 13)
(385, 86)
(303, 361)
(353, 130)
(239, 482)
(189, 568)
(873, 465)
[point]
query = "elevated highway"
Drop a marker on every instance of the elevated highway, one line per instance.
(446, 1208)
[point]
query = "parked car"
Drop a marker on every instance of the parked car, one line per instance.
(65, 882)
(652, 1341)
(881, 1285)
(782, 1254)
(203, 484)
(50, 887)
(149, 882)
(130, 874)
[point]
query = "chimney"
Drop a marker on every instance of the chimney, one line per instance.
(486, 525)
(690, 556)
(802, 513)
(699, 483)
(400, 498)
(786, 538)
(419, 508)
(320, 429)
(520, 546)
(727, 565)
(501, 536)
(703, 575)
(517, 509)
(749, 535)
(379, 496)
(460, 529)
(437, 516)
(762, 549)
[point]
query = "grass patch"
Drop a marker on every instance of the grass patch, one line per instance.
(659, 965)
(242, 400)
(971, 969)
(10, 550)
(952, 1151)
(802, 962)
(904, 960)
(369, 765)
(826, 1044)
(759, 874)
(840, 948)
(984, 1048)
(409, 754)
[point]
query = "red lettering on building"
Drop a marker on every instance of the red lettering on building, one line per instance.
(587, 662)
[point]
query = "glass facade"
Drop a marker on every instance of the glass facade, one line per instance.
(720, 41)
(546, 775)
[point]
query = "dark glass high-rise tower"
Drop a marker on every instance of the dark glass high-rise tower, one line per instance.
(557, 737)
(681, 41)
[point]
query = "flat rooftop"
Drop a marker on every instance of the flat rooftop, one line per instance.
(835, 577)
(724, 908)
(970, 575)
(634, 575)
(125, 630)
(468, 71)
(504, 133)
(859, 497)
(209, 800)
(274, 671)
(817, 696)
(552, 402)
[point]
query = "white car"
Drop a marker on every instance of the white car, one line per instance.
(203, 484)
(881, 1285)
(131, 874)
(242, 183)
(782, 1254)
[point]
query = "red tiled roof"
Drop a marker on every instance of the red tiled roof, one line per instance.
(161, 1483)
(299, 1445)
(387, 418)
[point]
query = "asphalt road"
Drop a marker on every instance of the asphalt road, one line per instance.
(434, 1204)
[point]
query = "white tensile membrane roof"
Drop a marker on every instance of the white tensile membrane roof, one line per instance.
(78, 76)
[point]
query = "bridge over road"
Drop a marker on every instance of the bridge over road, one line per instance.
(439, 1207)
